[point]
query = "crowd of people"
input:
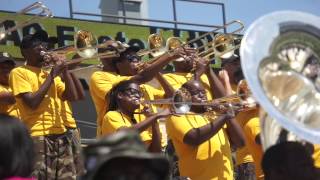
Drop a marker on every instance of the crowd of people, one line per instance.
(39, 138)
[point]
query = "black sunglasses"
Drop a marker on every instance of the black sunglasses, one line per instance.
(132, 57)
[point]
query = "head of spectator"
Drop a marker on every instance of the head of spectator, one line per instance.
(125, 97)
(288, 161)
(123, 156)
(16, 149)
(31, 47)
(6, 65)
(128, 62)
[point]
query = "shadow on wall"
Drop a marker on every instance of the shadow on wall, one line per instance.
(85, 114)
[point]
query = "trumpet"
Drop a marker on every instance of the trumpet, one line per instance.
(86, 47)
(44, 13)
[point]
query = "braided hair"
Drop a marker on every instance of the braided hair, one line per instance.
(120, 87)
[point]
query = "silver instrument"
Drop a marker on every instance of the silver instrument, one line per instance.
(280, 55)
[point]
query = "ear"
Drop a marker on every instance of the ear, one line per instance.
(120, 95)
(118, 65)
(22, 52)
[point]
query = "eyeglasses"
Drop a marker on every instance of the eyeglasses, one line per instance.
(132, 92)
(42, 45)
(198, 94)
(132, 58)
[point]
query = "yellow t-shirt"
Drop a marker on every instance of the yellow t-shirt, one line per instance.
(316, 155)
(47, 118)
(100, 84)
(114, 120)
(67, 115)
(210, 160)
(9, 109)
(243, 155)
(251, 129)
(176, 80)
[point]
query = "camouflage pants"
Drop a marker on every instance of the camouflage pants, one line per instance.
(172, 156)
(54, 158)
(76, 150)
(245, 171)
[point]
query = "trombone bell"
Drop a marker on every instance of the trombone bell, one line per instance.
(224, 46)
(156, 48)
(172, 44)
(85, 44)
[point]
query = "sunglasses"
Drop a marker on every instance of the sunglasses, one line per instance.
(132, 92)
(132, 58)
(40, 44)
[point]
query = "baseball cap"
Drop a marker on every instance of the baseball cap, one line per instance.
(35, 39)
(123, 146)
(6, 58)
(232, 59)
(110, 44)
(133, 48)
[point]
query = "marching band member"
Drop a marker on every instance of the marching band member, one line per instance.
(7, 102)
(70, 122)
(204, 74)
(40, 96)
(125, 99)
(203, 144)
(122, 68)
(248, 158)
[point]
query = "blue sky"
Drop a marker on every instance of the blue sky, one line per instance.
(245, 10)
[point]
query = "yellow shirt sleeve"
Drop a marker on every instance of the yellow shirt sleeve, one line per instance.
(60, 86)
(100, 84)
(175, 80)
(252, 128)
(19, 77)
(157, 93)
(113, 121)
(10, 109)
(316, 155)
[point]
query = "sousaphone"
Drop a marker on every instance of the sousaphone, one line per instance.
(280, 58)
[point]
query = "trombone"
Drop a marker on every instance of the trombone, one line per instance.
(155, 42)
(222, 45)
(86, 47)
(44, 13)
(181, 101)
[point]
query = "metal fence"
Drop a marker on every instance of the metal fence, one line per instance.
(174, 21)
